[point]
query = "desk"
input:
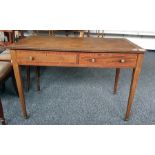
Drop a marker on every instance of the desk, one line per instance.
(77, 52)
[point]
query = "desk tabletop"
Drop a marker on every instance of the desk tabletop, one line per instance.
(73, 44)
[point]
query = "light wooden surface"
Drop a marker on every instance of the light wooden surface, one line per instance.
(77, 52)
(77, 59)
(134, 81)
(77, 44)
(117, 76)
(17, 73)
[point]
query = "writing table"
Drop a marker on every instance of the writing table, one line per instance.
(77, 52)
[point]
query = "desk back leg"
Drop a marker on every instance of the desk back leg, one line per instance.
(28, 77)
(117, 76)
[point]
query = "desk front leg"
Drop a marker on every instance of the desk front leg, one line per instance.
(134, 81)
(17, 73)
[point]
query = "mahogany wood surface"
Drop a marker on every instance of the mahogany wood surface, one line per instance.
(77, 52)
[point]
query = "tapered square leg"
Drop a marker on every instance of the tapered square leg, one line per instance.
(28, 77)
(134, 81)
(117, 76)
(38, 77)
(14, 82)
(17, 74)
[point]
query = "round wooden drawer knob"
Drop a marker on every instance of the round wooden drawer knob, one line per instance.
(93, 60)
(31, 58)
(122, 60)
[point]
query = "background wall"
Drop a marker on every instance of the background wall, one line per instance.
(145, 39)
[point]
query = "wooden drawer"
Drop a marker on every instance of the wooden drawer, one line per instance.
(62, 57)
(42, 57)
(30, 57)
(108, 60)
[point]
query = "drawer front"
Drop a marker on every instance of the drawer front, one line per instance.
(108, 60)
(42, 57)
(30, 57)
(62, 57)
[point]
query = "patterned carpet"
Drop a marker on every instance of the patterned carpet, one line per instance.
(83, 96)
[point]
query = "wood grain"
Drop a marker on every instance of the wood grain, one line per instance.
(77, 52)
(134, 82)
(108, 60)
(17, 74)
(77, 44)
(117, 76)
(77, 59)
(42, 57)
